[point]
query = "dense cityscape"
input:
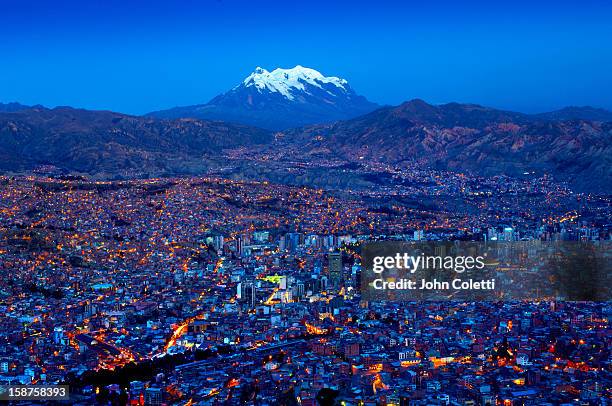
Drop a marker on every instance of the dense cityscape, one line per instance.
(216, 291)
(311, 203)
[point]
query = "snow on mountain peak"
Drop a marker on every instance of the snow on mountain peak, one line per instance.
(287, 81)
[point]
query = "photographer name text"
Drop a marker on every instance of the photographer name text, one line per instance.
(455, 284)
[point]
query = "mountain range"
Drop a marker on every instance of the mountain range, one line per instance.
(14, 106)
(280, 99)
(107, 143)
(577, 113)
(296, 97)
(461, 137)
(573, 144)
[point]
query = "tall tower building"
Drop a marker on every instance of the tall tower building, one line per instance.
(419, 235)
(247, 292)
(218, 243)
(335, 267)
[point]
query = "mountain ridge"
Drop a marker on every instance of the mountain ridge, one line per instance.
(12, 107)
(469, 137)
(280, 99)
(453, 136)
(577, 113)
(107, 142)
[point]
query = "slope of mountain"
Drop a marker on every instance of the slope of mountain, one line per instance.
(13, 106)
(112, 143)
(468, 137)
(457, 137)
(577, 113)
(280, 99)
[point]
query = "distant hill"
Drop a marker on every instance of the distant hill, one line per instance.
(12, 107)
(280, 99)
(462, 137)
(112, 143)
(577, 113)
(456, 137)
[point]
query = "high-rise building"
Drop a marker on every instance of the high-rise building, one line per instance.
(218, 243)
(292, 241)
(418, 235)
(300, 289)
(58, 334)
(335, 267)
(239, 246)
(324, 282)
(246, 291)
(261, 236)
(153, 396)
(508, 234)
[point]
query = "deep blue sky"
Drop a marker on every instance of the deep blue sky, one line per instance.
(522, 55)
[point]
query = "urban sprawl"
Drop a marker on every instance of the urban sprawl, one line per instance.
(212, 291)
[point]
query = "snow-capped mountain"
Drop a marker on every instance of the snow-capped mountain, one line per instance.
(280, 99)
(296, 80)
